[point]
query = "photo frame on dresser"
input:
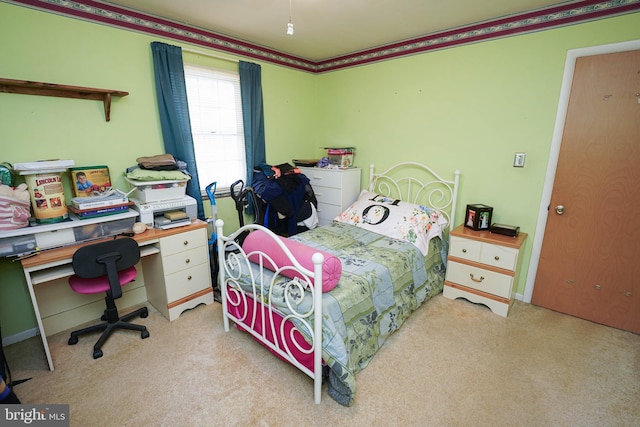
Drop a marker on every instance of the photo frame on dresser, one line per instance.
(478, 217)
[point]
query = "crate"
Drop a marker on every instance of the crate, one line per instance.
(342, 157)
(157, 191)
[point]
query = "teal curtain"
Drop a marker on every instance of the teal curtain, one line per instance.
(171, 91)
(252, 115)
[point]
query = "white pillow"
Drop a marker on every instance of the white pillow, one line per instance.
(396, 219)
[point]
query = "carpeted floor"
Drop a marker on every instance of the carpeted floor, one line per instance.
(452, 364)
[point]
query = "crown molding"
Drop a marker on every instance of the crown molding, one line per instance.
(538, 20)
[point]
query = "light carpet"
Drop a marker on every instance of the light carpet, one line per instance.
(453, 363)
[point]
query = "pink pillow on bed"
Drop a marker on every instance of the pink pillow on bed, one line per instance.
(260, 241)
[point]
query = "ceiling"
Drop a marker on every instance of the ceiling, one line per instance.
(330, 28)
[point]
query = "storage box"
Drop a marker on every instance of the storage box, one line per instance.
(157, 191)
(342, 157)
(478, 217)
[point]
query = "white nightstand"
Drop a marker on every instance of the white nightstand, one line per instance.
(335, 190)
(483, 267)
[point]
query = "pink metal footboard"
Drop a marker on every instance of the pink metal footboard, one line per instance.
(252, 310)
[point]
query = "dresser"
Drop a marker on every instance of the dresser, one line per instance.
(483, 267)
(335, 190)
(179, 277)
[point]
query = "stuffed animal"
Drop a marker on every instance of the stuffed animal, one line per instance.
(14, 207)
(19, 193)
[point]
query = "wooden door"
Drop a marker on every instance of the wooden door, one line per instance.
(590, 258)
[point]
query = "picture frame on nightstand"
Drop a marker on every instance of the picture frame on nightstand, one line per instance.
(478, 217)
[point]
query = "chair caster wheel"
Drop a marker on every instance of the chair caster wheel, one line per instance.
(97, 354)
(73, 341)
(145, 313)
(144, 334)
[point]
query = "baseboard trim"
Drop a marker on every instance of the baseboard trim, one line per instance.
(20, 336)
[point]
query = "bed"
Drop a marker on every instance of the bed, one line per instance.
(325, 300)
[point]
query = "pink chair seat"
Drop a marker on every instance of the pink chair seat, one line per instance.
(100, 284)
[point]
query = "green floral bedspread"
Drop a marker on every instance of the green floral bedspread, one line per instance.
(383, 281)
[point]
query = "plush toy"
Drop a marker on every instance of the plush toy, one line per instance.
(19, 193)
(14, 207)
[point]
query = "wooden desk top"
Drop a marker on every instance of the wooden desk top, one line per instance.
(66, 252)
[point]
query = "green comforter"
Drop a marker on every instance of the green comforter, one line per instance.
(383, 281)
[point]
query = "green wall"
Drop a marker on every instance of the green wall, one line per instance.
(469, 108)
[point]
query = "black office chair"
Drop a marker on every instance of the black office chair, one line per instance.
(106, 267)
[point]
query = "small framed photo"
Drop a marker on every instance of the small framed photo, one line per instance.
(478, 217)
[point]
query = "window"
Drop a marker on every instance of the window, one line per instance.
(215, 109)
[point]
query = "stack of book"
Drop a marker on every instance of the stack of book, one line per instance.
(95, 206)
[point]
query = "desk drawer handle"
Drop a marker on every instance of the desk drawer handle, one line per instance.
(476, 280)
(464, 251)
(188, 277)
(497, 258)
(187, 261)
(186, 242)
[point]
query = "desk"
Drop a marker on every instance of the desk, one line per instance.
(175, 267)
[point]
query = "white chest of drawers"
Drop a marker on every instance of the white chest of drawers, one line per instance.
(483, 268)
(179, 277)
(335, 190)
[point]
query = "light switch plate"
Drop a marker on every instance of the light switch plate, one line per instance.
(518, 160)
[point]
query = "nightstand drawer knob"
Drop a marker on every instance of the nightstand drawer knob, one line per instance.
(497, 258)
(186, 242)
(187, 261)
(476, 280)
(464, 251)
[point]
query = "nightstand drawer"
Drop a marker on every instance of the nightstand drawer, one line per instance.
(485, 253)
(465, 248)
(499, 256)
(483, 280)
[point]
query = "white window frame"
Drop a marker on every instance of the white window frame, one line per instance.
(215, 110)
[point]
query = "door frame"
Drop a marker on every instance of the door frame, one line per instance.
(561, 114)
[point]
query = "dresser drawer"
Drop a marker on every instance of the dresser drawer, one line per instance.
(486, 253)
(185, 259)
(179, 242)
(186, 282)
(331, 196)
(324, 178)
(327, 213)
(477, 278)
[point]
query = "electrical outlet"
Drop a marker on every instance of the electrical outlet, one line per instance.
(518, 160)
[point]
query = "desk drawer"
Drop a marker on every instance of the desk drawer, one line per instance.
(187, 282)
(185, 259)
(179, 242)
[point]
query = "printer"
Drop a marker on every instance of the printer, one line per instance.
(167, 213)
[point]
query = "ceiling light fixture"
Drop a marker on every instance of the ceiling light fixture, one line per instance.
(290, 24)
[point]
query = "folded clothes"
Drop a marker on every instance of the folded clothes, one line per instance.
(153, 175)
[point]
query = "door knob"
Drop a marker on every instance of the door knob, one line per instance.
(559, 209)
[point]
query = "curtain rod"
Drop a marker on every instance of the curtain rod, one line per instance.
(210, 55)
